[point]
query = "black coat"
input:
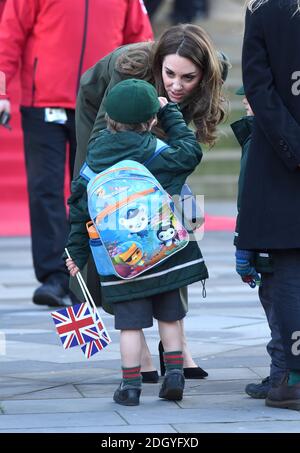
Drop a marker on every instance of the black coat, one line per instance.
(270, 200)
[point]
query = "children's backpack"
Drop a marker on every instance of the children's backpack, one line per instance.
(134, 226)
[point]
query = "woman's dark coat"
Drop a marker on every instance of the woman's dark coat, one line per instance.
(270, 201)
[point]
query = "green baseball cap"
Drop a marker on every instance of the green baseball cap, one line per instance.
(240, 91)
(132, 101)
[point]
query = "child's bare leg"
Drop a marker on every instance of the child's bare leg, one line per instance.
(130, 348)
(128, 392)
(170, 334)
(173, 384)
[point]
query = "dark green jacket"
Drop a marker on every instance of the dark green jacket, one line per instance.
(242, 130)
(171, 168)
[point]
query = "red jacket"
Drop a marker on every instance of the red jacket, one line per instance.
(57, 40)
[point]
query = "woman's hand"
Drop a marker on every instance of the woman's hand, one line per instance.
(72, 268)
(163, 101)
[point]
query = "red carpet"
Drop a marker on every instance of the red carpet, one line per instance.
(14, 218)
(216, 223)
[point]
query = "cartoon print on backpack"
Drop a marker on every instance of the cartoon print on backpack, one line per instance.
(136, 220)
(167, 234)
(136, 224)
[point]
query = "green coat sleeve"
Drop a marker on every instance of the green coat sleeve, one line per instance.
(78, 241)
(184, 153)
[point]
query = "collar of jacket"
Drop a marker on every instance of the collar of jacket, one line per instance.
(242, 129)
(108, 148)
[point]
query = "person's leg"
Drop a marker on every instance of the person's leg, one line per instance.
(130, 318)
(148, 370)
(71, 134)
(275, 349)
(173, 384)
(146, 358)
(286, 299)
(168, 310)
(170, 335)
(278, 368)
(183, 11)
(188, 360)
(152, 6)
(129, 390)
(190, 368)
(202, 7)
(45, 155)
(131, 348)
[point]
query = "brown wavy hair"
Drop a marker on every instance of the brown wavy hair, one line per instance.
(205, 106)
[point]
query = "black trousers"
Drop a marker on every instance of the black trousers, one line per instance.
(183, 10)
(152, 6)
(45, 146)
(285, 286)
(186, 11)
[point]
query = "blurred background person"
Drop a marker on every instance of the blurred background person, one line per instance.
(36, 35)
(182, 11)
(189, 11)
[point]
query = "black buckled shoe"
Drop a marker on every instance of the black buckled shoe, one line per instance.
(259, 391)
(284, 396)
(172, 386)
(127, 395)
(51, 294)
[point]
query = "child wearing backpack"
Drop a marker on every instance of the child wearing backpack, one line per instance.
(133, 108)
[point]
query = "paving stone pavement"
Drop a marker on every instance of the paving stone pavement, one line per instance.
(46, 389)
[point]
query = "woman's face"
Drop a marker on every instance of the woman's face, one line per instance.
(180, 76)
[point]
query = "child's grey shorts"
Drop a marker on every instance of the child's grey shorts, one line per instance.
(139, 314)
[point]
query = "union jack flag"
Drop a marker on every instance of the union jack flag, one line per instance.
(97, 345)
(75, 325)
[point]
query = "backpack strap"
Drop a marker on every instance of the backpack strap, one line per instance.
(160, 146)
(87, 173)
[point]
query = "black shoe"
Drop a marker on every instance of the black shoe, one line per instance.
(127, 395)
(51, 294)
(150, 376)
(194, 373)
(189, 373)
(284, 396)
(173, 385)
(259, 391)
